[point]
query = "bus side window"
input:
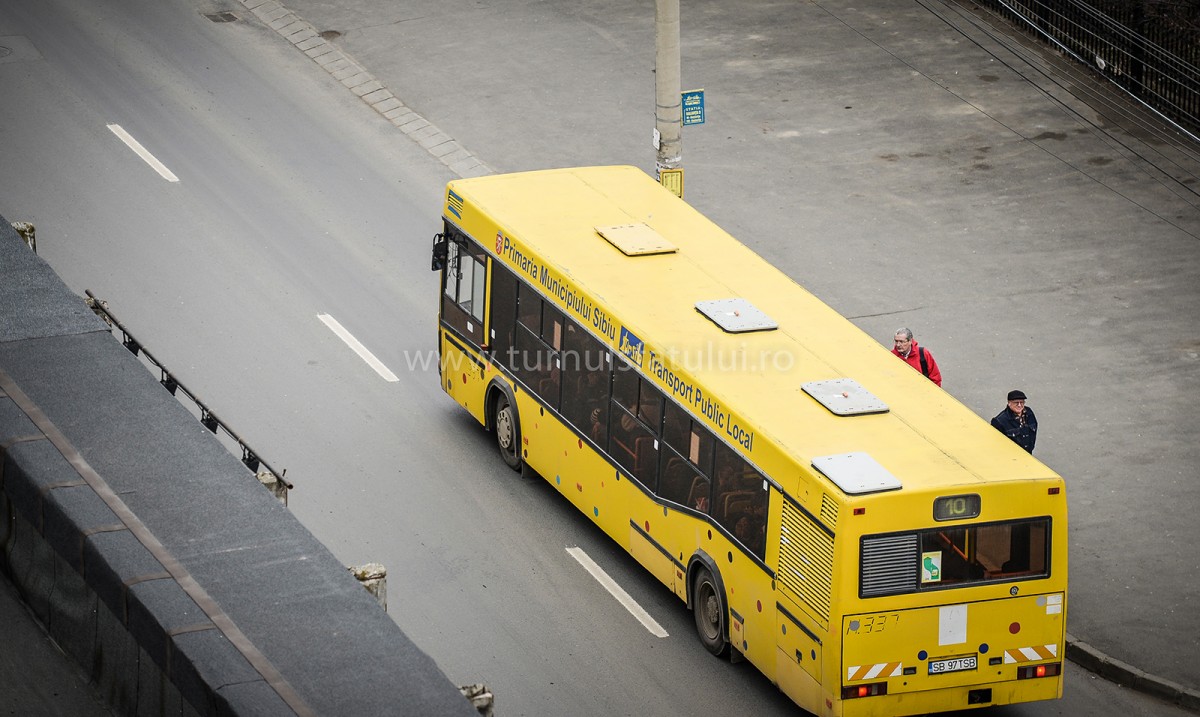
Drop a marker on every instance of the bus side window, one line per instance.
(677, 424)
(650, 406)
(529, 358)
(689, 439)
(629, 442)
(740, 495)
(549, 382)
(504, 313)
(585, 383)
(632, 445)
(529, 309)
(675, 478)
(624, 386)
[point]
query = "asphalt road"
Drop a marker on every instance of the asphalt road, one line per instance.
(295, 200)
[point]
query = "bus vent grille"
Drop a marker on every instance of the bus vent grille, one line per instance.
(829, 511)
(889, 565)
(806, 559)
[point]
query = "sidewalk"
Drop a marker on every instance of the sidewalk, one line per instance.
(912, 166)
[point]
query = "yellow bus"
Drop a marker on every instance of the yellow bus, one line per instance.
(827, 513)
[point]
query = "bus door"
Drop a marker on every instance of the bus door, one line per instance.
(464, 295)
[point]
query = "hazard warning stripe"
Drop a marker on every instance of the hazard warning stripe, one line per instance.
(870, 672)
(1030, 654)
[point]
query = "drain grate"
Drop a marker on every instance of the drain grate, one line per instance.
(221, 16)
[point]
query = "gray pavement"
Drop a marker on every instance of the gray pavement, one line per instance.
(912, 164)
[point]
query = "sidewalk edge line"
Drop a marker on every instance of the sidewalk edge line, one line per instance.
(464, 163)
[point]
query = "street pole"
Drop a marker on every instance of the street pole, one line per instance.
(668, 116)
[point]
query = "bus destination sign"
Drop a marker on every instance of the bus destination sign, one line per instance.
(957, 507)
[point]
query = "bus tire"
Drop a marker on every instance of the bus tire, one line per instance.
(709, 611)
(504, 422)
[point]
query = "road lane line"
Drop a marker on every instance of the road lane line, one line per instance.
(617, 592)
(142, 152)
(359, 349)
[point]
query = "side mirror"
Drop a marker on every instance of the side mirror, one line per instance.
(441, 249)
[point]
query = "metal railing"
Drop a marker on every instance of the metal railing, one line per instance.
(1150, 49)
(267, 475)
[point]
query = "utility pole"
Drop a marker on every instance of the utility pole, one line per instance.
(668, 116)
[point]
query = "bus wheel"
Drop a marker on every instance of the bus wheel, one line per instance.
(505, 422)
(709, 610)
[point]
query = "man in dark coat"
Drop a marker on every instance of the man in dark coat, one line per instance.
(1017, 421)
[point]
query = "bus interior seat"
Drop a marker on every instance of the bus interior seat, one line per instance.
(699, 491)
(737, 503)
(676, 480)
(643, 456)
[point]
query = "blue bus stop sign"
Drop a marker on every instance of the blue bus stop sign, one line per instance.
(693, 107)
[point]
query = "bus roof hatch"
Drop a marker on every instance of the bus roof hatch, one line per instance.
(636, 239)
(845, 397)
(856, 473)
(736, 316)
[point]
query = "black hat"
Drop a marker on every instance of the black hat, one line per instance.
(1016, 396)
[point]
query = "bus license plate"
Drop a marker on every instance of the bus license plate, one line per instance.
(952, 664)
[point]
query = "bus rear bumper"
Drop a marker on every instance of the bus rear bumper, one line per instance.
(899, 704)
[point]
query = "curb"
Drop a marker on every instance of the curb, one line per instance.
(366, 87)
(465, 164)
(1126, 675)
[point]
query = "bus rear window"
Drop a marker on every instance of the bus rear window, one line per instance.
(950, 557)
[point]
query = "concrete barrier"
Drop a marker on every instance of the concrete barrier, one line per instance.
(154, 557)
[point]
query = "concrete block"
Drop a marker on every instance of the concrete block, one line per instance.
(1158, 687)
(1120, 672)
(155, 609)
(388, 104)
(109, 560)
(114, 665)
(373, 98)
(13, 424)
(301, 36)
(366, 88)
(356, 79)
(73, 614)
(66, 513)
(1190, 699)
(201, 659)
(251, 698)
(155, 694)
(32, 568)
(36, 467)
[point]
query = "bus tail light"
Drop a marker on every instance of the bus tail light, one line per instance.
(872, 690)
(1028, 672)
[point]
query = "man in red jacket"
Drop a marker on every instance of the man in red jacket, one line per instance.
(906, 348)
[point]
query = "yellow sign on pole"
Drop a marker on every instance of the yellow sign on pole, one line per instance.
(672, 179)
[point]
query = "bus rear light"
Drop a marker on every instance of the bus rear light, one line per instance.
(1052, 491)
(1029, 672)
(860, 511)
(872, 690)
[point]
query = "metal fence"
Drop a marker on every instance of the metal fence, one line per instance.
(1149, 47)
